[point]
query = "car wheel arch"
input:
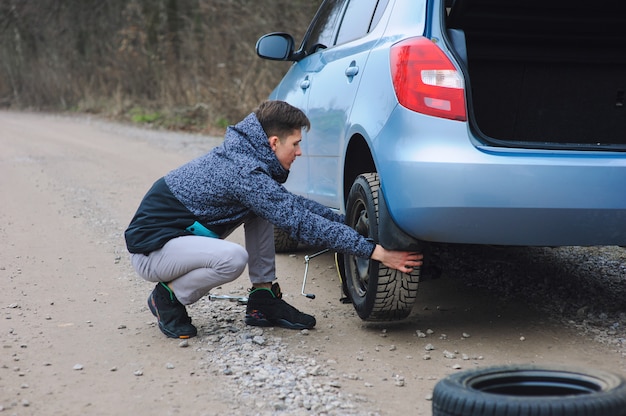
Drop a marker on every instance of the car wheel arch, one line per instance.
(357, 160)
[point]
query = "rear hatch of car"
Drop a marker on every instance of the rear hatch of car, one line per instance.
(543, 74)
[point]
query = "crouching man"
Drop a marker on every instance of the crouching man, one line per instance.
(177, 236)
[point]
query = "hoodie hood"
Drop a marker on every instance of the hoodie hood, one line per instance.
(248, 137)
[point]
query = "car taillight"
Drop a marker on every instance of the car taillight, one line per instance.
(426, 81)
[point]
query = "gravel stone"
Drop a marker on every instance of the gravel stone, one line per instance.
(449, 355)
(557, 281)
(265, 374)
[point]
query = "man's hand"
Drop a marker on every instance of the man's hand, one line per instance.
(404, 261)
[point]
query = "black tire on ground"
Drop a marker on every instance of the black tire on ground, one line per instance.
(378, 293)
(283, 242)
(530, 390)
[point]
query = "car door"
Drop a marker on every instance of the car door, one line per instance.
(294, 90)
(295, 85)
(333, 82)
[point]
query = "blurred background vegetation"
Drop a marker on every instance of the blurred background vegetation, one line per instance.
(177, 64)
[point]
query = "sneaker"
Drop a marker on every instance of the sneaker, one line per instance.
(267, 308)
(171, 314)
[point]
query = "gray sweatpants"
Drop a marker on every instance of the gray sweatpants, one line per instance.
(193, 265)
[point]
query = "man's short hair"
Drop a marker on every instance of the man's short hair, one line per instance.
(279, 118)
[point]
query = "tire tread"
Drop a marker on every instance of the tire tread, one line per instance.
(396, 292)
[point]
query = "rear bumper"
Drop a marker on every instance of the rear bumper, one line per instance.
(440, 187)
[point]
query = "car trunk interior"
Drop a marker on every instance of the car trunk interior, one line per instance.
(545, 73)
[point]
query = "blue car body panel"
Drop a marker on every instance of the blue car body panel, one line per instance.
(442, 187)
(442, 182)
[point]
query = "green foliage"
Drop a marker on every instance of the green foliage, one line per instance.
(138, 115)
(222, 123)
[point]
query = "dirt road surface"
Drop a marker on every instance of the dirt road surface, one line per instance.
(77, 337)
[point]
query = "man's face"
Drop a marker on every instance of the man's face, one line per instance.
(288, 149)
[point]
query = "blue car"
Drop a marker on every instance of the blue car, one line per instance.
(497, 122)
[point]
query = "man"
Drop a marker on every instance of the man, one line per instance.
(177, 236)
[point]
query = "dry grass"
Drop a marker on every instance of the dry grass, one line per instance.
(181, 64)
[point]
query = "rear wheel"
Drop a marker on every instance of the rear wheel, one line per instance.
(378, 293)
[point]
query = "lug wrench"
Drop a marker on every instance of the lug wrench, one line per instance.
(242, 300)
(306, 270)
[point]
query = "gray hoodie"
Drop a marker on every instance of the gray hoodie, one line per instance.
(239, 178)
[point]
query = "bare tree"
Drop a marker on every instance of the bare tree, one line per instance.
(191, 58)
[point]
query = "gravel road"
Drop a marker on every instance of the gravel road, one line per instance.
(77, 336)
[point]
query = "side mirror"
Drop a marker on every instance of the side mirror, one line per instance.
(276, 46)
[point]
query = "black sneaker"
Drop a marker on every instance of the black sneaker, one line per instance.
(266, 308)
(171, 314)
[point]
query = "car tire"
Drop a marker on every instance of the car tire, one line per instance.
(530, 390)
(283, 242)
(377, 292)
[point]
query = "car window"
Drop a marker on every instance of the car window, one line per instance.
(380, 9)
(356, 20)
(322, 31)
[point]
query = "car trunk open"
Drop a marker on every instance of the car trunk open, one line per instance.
(544, 73)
